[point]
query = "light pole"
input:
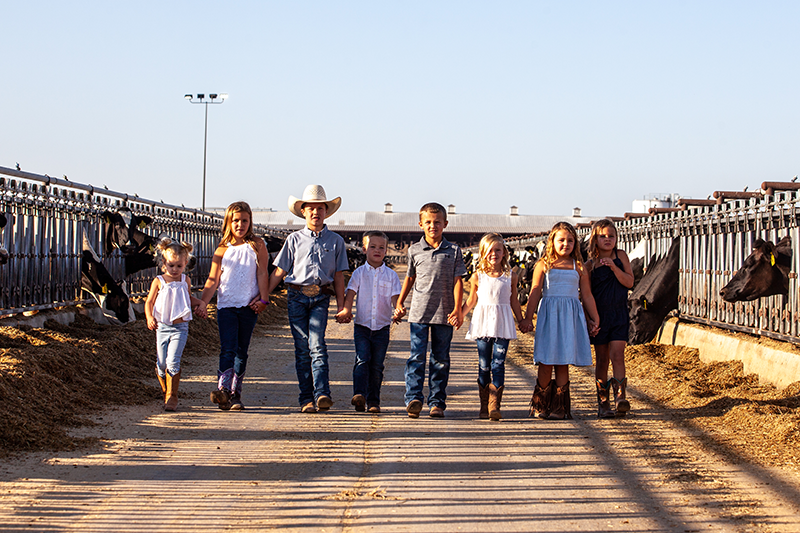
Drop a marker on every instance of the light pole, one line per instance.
(201, 99)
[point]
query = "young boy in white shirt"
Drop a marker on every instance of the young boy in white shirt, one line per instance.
(378, 287)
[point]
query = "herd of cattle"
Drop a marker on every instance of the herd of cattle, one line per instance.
(765, 272)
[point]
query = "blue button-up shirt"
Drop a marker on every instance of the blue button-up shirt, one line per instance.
(312, 258)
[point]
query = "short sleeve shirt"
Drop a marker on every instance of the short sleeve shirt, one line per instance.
(312, 258)
(435, 271)
(375, 288)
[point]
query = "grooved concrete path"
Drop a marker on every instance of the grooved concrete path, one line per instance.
(271, 467)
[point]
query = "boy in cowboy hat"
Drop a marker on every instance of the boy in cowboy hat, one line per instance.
(313, 261)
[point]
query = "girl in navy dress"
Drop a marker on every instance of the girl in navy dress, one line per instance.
(611, 278)
(560, 289)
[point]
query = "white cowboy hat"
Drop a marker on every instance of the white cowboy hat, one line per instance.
(314, 194)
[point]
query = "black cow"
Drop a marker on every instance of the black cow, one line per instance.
(3, 252)
(469, 264)
(110, 295)
(765, 272)
(655, 296)
(124, 231)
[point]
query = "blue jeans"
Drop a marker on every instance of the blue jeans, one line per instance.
(170, 341)
(235, 329)
(441, 335)
(492, 361)
(308, 318)
(371, 349)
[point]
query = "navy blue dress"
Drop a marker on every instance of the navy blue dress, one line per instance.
(611, 298)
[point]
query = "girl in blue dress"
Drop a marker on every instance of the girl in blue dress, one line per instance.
(560, 293)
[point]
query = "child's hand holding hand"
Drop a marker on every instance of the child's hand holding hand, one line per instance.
(594, 328)
(344, 316)
(399, 313)
(455, 319)
(201, 310)
(525, 325)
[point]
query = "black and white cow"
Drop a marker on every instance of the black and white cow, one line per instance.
(3, 252)
(124, 231)
(655, 296)
(765, 272)
(110, 295)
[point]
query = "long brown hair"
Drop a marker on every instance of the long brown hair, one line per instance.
(604, 223)
(550, 256)
(227, 232)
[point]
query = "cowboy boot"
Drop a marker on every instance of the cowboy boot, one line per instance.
(604, 409)
(163, 382)
(561, 405)
(483, 392)
(541, 400)
(623, 405)
(222, 395)
(236, 393)
(172, 391)
(495, 396)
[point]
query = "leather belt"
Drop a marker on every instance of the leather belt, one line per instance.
(313, 290)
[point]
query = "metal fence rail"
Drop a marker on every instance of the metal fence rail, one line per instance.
(47, 219)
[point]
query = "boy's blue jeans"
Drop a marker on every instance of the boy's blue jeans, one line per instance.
(170, 341)
(236, 326)
(439, 372)
(492, 361)
(308, 318)
(371, 347)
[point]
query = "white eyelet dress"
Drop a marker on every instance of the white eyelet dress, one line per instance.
(493, 316)
(238, 282)
(172, 302)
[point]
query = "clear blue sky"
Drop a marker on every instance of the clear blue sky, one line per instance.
(543, 105)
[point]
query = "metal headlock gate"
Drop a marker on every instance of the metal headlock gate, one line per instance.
(47, 219)
(714, 243)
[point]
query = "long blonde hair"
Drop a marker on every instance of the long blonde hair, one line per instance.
(487, 241)
(604, 223)
(227, 223)
(550, 256)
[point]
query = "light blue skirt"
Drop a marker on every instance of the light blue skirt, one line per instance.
(561, 336)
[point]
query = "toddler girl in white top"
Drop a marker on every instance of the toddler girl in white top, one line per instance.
(494, 290)
(168, 310)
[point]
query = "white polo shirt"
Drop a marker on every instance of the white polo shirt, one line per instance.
(374, 288)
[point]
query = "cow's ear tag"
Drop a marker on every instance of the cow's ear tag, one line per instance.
(142, 224)
(645, 304)
(772, 259)
(105, 289)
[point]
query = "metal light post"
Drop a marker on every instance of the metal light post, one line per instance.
(201, 99)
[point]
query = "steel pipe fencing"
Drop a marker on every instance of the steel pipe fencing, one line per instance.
(47, 220)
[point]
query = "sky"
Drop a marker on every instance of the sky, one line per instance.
(545, 105)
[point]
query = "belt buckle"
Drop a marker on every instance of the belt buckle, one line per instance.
(310, 290)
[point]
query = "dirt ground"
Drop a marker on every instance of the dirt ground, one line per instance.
(704, 447)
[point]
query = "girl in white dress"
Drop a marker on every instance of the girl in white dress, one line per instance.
(168, 310)
(493, 295)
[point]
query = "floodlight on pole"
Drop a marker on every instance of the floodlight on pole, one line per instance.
(201, 99)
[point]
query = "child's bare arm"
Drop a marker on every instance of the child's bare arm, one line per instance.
(214, 274)
(515, 307)
(399, 309)
(150, 303)
(274, 280)
(537, 283)
(456, 318)
(346, 314)
(472, 299)
(589, 305)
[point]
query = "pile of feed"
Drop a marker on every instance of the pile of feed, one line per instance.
(52, 377)
(735, 414)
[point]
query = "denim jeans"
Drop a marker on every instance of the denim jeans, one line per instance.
(371, 349)
(235, 329)
(441, 335)
(308, 318)
(170, 341)
(492, 361)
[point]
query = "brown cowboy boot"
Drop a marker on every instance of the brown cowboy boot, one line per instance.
(163, 382)
(483, 392)
(604, 409)
(623, 405)
(561, 404)
(495, 397)
(541, 400)
(172, 391)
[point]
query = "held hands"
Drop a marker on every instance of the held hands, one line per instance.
(455, 319)
(525, 325)
(344, 316)
(399, 313)
(593, 327)
(258, 305)
(201, 309)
